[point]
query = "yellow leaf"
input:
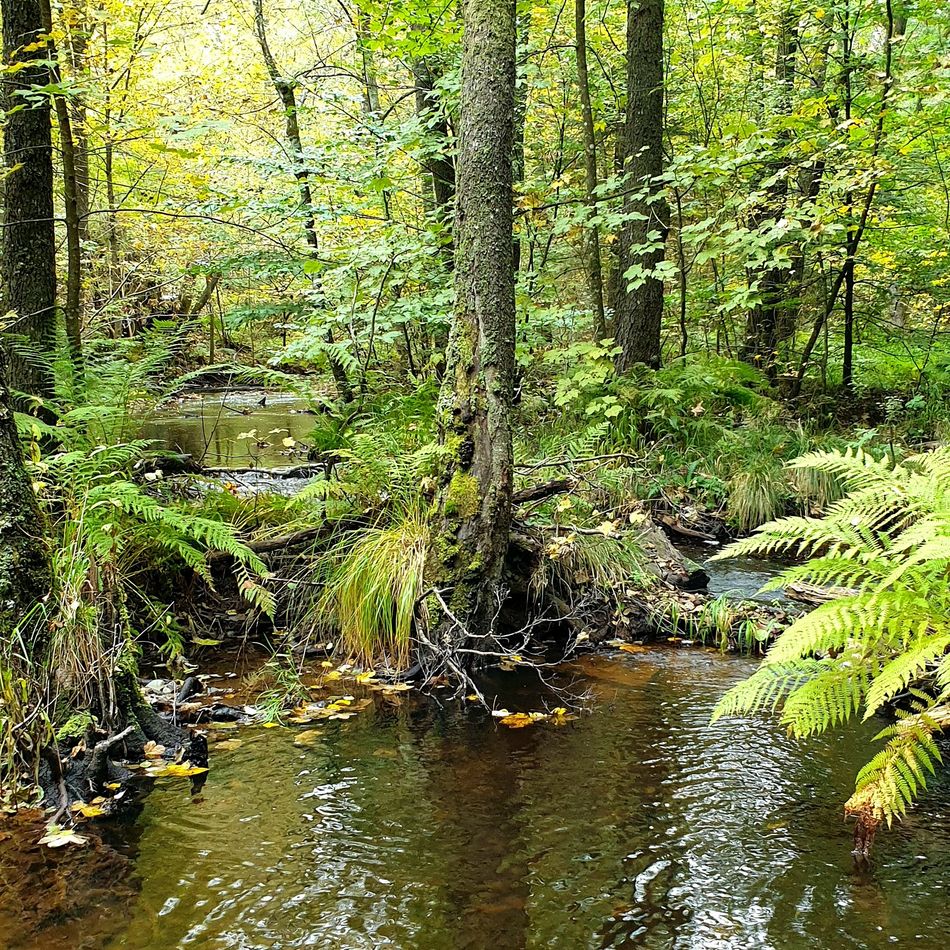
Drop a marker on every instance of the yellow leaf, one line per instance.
(87, 811)
(309, 737)
(518, 720)
(57, 837)
(632, 648)
(178, 770)
(153, 750)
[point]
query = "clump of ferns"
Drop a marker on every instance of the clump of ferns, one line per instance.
(111, 535)
(887, 642)
(371, 478)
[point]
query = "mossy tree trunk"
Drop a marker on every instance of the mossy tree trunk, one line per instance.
(25, 578)
(29, 248)
(475, 402)
(639, 311)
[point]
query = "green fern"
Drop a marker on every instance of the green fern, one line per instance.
(883, 645)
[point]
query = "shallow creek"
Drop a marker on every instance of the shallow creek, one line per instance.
(429, 826)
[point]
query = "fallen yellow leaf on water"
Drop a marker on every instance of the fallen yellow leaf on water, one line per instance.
(394, 687)
(57, 837)
(366, 677)
(179, 770)
(113, 786)
(309, 737)
(228, 744)
(632, 648)
(517, 721)
(153, 750)
(87, 811)
(269, 725)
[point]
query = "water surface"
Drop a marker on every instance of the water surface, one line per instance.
(425, 826)
(213, 428)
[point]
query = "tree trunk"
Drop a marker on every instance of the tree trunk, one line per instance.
(475, 402)
(438, 162)
(25, 578)
(29, 241)
(762, 326)
(72, 309)
(288, 100)
(595, 277)
(643, 238)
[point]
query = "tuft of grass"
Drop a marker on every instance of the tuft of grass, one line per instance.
(373, 587)
(758, 494)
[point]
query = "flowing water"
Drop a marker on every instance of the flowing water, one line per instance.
(430, 826)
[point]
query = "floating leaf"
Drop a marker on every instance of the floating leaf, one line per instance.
(179, 770)
(153, 750)
(87, 811)
(57, 837)
(632, 648)
(309, 737)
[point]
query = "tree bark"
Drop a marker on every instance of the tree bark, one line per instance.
(438, 163)
(287, 95)
(643, 238)
(25, 578)
(595, 277)
(762, 327)
(29, 240)
(475, 402)
(72, 308)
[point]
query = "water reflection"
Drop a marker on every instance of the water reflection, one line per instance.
(208, 428)
(428, 827)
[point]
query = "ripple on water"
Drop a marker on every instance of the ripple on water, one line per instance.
(433, 828)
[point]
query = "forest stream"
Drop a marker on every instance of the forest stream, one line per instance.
(429, 826)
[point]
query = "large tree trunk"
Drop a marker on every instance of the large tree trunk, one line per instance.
(25, 578)
(475, 403)
(29, 243)
(643, 238)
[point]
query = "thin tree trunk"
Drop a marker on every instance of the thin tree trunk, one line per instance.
(476, 397)
(857, 233)
(29, 240)
(72, 308)
(438, 162)
(288, 100)
(643, 238)
(595, 277)
(762, 327)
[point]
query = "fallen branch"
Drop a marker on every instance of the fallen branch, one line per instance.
(542, 491)
(560, 463)
(99, 757)
(673, 525)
